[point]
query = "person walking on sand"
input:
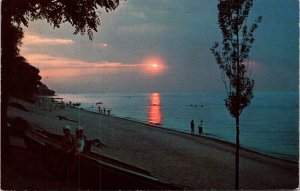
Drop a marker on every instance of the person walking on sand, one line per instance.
(192, 126)
(200, 127)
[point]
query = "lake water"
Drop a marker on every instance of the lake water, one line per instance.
(269, 125)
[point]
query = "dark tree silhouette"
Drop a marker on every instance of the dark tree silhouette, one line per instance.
(23, 78)
(232, 59)
(83, 15)
(44, 90)
(26, 80)
(11, 36)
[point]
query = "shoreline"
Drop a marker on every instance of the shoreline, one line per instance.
(202, 162)
(259, 132)
(205, 136)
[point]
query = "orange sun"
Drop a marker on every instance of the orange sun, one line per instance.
(154, 65)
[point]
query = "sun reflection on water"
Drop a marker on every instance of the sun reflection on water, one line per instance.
(154, 114)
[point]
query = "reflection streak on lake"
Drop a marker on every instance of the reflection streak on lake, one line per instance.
(154, 114)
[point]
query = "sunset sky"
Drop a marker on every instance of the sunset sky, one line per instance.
(162, 46)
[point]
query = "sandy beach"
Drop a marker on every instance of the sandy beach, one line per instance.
(190, 161)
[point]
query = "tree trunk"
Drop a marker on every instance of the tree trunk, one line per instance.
(237, 154)
(237, 119)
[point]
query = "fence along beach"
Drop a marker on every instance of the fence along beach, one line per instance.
(192, 162)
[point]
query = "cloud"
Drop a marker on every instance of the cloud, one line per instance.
(55, 69)
(59, 67)
(31, 39)
(47, 61)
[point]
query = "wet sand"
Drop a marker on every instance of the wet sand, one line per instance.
(190, 161)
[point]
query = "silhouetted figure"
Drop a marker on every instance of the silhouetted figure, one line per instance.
(108, 111)
(192, 126)
(104, 110)
(68, 147)
(68, 139)
(200, 127)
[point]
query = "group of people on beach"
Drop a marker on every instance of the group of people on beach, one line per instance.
(104, 110)
(73, 146)
(71, 143)
(200, 127)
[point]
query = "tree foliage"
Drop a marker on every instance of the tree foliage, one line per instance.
(83, 15)
(44, 90)
(232, 58)
(238, 38)
(26, 79)
(23, 78)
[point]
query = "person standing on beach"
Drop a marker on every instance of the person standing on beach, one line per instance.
(200, 127)
(192, 126)
(99, 108)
